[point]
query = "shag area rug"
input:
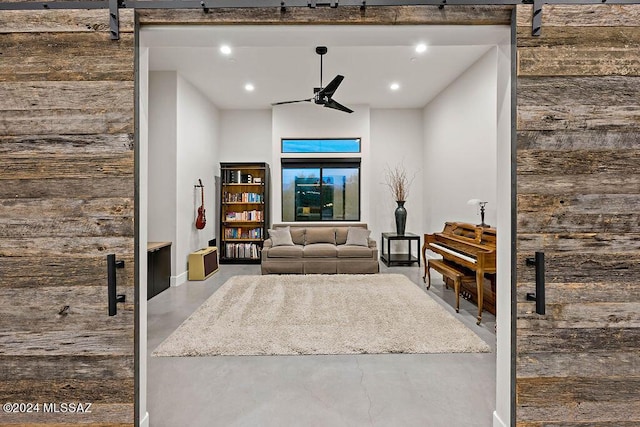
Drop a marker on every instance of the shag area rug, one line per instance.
(320, 314)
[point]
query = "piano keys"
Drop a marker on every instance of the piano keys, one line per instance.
(467, 250)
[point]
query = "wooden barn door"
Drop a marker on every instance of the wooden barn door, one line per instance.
(66, 201)
(578, 172)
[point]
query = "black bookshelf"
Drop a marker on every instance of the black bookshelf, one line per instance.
(244, 212)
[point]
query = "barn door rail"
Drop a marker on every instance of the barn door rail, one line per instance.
(207, 5)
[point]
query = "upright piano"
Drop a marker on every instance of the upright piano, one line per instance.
(467, 250)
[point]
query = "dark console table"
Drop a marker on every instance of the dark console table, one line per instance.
(404, 258)
(158, 267)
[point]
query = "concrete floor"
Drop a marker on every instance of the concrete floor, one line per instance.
(432, 390)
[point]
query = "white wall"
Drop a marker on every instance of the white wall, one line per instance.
(245, 136)
(504, 215)
(312, 121)
(197, 139)
(460, 147)
(162, 158)
(143, 206)
(396, 139)
(183, 147)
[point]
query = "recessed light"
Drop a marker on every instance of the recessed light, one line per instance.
(249, 87)
(225, 50)
(394, 86)
(421, 48)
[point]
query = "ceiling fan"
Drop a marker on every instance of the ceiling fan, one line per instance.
(323, 95)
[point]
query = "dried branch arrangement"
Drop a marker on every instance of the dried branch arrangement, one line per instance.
(398, 182)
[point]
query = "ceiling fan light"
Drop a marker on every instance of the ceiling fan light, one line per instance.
(421, 48)
(225, 49)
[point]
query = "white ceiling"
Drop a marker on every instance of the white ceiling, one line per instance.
(280, 61)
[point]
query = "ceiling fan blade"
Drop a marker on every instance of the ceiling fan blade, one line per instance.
(337, 106)
(291, 102)
(330, 89)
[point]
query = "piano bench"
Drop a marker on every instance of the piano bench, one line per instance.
(449, 271)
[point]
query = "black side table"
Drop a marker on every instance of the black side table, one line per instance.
(402, 258)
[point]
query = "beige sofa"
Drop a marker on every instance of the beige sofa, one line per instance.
(320, 249)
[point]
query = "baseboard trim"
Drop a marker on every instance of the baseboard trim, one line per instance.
(497, 422)
(144, 422)
(179, 279)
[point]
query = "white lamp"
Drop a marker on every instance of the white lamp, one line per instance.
(482, 204)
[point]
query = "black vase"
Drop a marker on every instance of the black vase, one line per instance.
(401, 218)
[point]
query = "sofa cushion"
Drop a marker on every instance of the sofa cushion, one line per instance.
(358, 236)
(350, 251)
(297, 235)
(286, 252)
(341, 235)
(319, 235)
(280, 237)
(320, 250)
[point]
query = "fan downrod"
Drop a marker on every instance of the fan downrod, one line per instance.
(320, 50)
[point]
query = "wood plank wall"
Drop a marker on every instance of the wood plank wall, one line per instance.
(578, 171)
(66, 201)
(343, 15)
(66, 191)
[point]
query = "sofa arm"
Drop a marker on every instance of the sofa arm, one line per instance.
(372, 243)
(266, 245)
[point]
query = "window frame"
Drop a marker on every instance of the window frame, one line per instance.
(321, 163)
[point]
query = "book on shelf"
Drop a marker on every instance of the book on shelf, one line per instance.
(254, 215)
(242, 233)
(243, 197)
(243, 251)
(232, 176)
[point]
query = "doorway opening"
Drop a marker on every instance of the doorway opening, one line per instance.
(450, 122)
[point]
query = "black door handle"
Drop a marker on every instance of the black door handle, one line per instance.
(538, 296)
(114, 297)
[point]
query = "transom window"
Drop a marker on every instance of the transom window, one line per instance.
(329, 145)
